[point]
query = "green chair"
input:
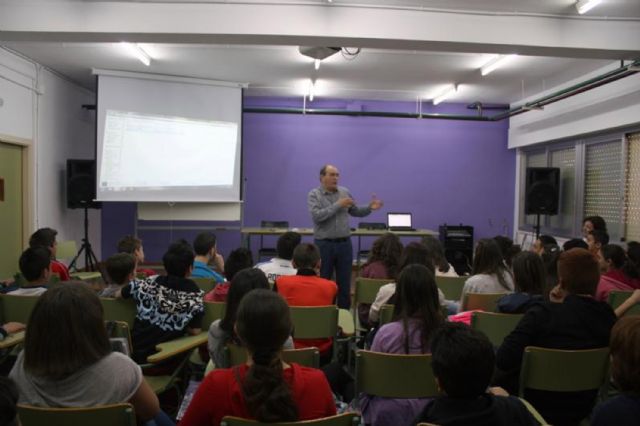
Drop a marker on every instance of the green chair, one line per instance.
(394, 375)
(386, 314)
(105, 415)
(451, 287)
(616, 298)
(345, 419)
(309, 357)
(212, 311)
(16, 308)
(495, 326)
(481, 301)
(119, 310)
(315, 322)
(564, 370)
(366, 292)
(205, 284)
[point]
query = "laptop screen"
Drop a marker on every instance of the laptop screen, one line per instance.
(399, 219)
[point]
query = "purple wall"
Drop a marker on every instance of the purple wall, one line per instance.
(440, 170)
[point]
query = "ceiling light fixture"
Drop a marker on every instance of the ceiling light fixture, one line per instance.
(496, 63)
(450, 91)
(312, 90)
(316, 64)
(584, 6)
(137, 51)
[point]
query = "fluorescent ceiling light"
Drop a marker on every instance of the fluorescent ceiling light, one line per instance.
(316, 64)
(137, 51)
(450, 91)
(312, 90)
(496, 63)
(584, 6)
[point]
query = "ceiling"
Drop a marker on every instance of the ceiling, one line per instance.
(375, 73)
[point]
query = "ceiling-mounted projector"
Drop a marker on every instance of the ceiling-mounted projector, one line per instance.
(318, 52)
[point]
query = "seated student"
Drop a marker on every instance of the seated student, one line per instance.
(8, 402)
(416, 315)
(46, 237)
(35, 264)
(67, 359)
(281, 265)
(612, 259)
(436, 252)
(384, 258)
(529, 278)
(306, 288)
(239, 259)
(489, 273)
(121, 268)
(624, 409)
(573, 319)
(592, 223)
(205, 247)
(167, 305)
(132, 245)
(463, 363)
(575, 243)
(632, 265)
(222, 330)
(543, 243)
(596, 239)
(265, 388)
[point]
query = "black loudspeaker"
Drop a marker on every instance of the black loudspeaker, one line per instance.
(81, 184)
(458, 246)
(542, 191)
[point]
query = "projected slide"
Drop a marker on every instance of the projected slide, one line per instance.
(149, 152)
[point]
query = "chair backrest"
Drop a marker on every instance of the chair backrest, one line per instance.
(367, 289)
(119, 310)
(345, 419)
(386, 314)
(274, 224)
(314, 322)
(481, 301)
(16, 308)
(563, 370)
(204, 284)
(212, 311)
(616, 298)
(451, 287)
(495, 326)
(106, 415)
(394, 375)
(309, 357)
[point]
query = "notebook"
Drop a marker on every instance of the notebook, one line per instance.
(400, 222)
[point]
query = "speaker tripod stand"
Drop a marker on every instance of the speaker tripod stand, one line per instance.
(90, 259)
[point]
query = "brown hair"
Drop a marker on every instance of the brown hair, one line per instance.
(625, 354)
(129, 244)
(387, 249)
(65, 332)
(578, 272)
(120, 266)
(306, 255)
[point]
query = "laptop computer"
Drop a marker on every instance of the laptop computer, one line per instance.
(400, 222)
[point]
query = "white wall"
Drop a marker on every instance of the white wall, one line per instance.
(44, 112)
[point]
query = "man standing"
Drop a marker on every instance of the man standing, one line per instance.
(330, 205)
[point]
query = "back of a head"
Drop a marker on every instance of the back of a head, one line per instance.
(597, 221)
(436, 253)
(615, 254)
(578, 272)
(387, 248)
(575, 243)
(65, 332)
(632, 267)
(43, 237)
(548, 240)
(120, 266)
(415, 253)
(203, 243)
(507, 248)
(129, 244)
(306, 256)
(417, 299)
(263, 325)
(33, 262)
(287, 242)
(487, 257)
(243, 282)
(239, 259)
(178, 259)
(462, 360)
(529, 274)
(625, 354)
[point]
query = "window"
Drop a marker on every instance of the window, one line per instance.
(632, 189)
(565, 160)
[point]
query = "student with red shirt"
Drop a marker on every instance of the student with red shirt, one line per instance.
(306, 288)
(46, 237)
(265, 388)
(612, 260)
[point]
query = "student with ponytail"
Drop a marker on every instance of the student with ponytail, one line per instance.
(265, 388)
